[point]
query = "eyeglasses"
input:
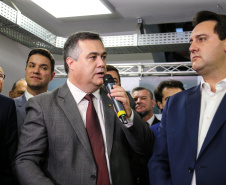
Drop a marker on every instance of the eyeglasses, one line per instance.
(2, 77)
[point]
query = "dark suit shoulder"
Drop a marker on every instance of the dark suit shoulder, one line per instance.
(181, 96)
(5, 99)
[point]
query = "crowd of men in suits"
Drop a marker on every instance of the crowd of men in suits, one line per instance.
(46, 137)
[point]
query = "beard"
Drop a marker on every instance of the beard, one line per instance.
(37, 87)
(143, 114)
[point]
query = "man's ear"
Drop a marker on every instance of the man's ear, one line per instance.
(153, 103)
(160, 106)
(10, 94)
(70, 61)
(224, 45)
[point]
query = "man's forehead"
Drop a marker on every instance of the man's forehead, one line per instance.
(204, 28)
(39, 59)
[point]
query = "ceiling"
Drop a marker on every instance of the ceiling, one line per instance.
(125, 17)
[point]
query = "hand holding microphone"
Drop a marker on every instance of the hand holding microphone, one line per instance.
(109, 82)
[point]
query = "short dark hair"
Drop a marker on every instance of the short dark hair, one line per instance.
(72, 44)
(168, 83)
(16, 83)
(113, 68)
(143, 88)
(43, 52)
(211, 16)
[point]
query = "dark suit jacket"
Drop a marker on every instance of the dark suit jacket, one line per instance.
(54, 147)
(154, 128)
(20, 110)
(174, 159)
(8, 139)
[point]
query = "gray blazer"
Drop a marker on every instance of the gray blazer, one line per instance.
(54, 147)
(20, 103)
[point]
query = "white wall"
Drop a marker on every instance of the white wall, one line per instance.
(13, 61)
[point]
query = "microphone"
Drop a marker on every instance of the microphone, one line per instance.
(109, 82)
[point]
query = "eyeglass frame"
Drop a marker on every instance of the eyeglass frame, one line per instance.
(2, 77)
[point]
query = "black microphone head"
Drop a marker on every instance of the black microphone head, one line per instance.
(108, 79)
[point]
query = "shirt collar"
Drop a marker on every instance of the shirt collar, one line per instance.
(78, 94)
(150, 121)
(28, 95)
(221, 85)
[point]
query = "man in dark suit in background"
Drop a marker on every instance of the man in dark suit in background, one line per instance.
(8, 139)
(113, 71)
(163, 91)
(139, 162)
(55, 145)
(145, 104)
(39, 72)
(190, 148)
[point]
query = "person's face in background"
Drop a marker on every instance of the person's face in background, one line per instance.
(1, 79)
(144, 103)
(20, 89)
(167, 92)
(38, 73)
(115, 76)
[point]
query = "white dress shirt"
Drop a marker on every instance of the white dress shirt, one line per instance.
(28, 95)
(209, 104)
(150, 121)
(82, 104)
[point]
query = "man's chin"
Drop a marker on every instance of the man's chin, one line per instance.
(143, 114)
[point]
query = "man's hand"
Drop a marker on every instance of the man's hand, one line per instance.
(120, 95)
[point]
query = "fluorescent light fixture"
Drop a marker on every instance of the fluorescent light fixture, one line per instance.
(73, 8)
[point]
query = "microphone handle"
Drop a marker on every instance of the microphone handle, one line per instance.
(118, 105)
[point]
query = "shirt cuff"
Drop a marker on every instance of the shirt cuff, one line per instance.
(130, 120)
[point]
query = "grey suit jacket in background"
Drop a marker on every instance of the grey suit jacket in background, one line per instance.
(20, 103)
(54, 147)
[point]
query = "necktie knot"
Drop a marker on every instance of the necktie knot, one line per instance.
(89, 97)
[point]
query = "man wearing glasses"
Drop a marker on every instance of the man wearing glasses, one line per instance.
(2, 77)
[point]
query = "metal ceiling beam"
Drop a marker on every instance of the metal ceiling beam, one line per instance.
(25, 31)
(147, 69)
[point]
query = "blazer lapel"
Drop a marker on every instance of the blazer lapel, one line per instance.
(193, 112)
(69, 106)
(109, 118)
(21, 105)
(218, 120)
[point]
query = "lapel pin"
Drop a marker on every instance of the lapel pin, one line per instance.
(109, 105)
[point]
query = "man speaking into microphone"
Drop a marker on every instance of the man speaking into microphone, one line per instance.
(72, 134)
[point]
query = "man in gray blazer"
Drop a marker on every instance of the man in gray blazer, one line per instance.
(54, 146)
(39, 72)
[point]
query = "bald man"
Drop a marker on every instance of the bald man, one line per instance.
(18, 89)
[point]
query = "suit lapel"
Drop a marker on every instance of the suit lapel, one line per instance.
(193, 112)
(109, 119)
(218, 120)
(21, 105)
(69, 106)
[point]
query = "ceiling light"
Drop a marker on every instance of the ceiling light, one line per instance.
(73, 8)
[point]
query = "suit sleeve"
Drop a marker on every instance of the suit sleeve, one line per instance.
(32, 148)
(159, 170)
(140, 137)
